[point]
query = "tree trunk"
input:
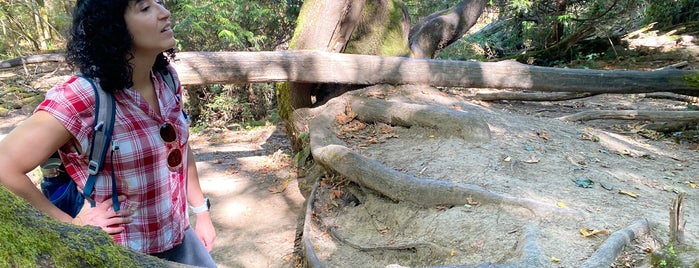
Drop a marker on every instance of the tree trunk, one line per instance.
(29, 238)
(440, 29)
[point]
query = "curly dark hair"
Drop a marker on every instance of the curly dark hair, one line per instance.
(100, 44)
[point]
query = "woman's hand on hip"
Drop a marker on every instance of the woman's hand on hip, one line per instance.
(104, 216)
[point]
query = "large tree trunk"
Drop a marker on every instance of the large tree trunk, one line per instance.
(440, 29)
(29, 238)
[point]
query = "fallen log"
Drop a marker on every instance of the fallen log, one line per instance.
(324, 67)
(302, 66)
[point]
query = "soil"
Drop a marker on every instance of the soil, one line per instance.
(258, 209)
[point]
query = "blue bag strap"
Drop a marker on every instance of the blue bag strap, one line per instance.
(105, 110)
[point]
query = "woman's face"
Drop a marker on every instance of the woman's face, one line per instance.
(148, 21)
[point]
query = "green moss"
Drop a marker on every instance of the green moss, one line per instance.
(675, 255)
(303, 22)
(692, 79)
(379, 31)
(29, 238)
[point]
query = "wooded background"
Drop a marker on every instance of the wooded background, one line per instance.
(546, 32)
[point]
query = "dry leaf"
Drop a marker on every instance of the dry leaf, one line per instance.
(376, 94)
(561, 204)
(469, 200)
(336, 193)
(554, 259)
(383, 229)
(590, 232)
(342, 119)
(532, 160)
(629, 193)
(280, 187)
(543, 134)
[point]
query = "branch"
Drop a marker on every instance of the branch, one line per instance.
(530, 96)
(32, 60)
(633, 115)
(440, 29)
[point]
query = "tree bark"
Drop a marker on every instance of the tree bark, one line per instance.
(320, 67)
(440, 29)
(198, 68)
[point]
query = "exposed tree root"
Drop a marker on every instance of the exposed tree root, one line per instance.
(634, 115)
(530, 96)
(531, 254)
(611, 248)
(310, 255)
(330, 151)
(671, 96)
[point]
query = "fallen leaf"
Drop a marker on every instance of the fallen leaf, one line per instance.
(280, 187)
(692, 185)
(543, 134)
(561, 204)
(554, 259)
(629, 193)
(532, 160)
(589, 137)
(336, 193)
(470, 201)
(383, 229)
(590, 232)
(343, 119)
(583, 182)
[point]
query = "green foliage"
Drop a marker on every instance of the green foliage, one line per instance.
(31, 27)
(671, 12)
(222, 106)
(227, 25)
(531, 26)
(665, 258)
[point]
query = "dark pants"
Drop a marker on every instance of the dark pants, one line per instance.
(190, 252)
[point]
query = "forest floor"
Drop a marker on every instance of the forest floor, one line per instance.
(258, 209)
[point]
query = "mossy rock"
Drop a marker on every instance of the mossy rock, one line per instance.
(675, 256)
(29, 238)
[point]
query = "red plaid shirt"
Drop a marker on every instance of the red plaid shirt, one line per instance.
(153, 191)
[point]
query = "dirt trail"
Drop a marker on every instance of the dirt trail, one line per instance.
(256, 203)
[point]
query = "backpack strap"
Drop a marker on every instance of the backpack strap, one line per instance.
(105, 110)
(172, 84)
(169, 80)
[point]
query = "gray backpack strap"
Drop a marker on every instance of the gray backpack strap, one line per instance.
(169, 80)
(105, 113)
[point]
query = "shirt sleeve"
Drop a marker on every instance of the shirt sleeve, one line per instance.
(73, 104)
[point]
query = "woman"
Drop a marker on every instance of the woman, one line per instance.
(120, 44)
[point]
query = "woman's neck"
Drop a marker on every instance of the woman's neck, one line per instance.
(141, 76)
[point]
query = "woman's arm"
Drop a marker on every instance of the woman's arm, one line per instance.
(27, 146)
(204, 227)
(23, 149)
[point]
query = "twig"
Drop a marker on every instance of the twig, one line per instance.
(633, 115)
